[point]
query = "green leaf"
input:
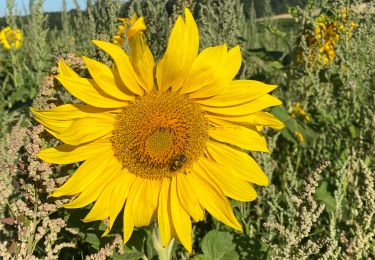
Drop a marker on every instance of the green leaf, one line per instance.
(281, 113)
(277, 65)
(93, 240)
(322, 194)
(218, 245)
(264, 247)
(353, 131)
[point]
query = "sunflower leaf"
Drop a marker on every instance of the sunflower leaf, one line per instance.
(218, 245)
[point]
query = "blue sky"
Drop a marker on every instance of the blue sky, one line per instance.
(48, 6)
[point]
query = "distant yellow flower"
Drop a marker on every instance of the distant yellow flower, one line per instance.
(128, 28)
(298, 111)
(299, 136)
(11, 38)
(165, 142)
(322, 41)
(321, 44)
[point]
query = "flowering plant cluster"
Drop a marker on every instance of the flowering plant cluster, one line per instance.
(325, 34)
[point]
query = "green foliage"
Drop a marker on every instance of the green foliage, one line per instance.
(219, 246)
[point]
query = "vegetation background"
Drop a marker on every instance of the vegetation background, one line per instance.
(321, 201)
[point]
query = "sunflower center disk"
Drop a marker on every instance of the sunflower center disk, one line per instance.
(159, 135)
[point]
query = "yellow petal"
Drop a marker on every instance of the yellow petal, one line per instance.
(101, 209)
(53, 133)
(105, 79)
(65, 70)
(86, 173)
(136, 25)
(120, 84)
(233, 63)
(238, 92)
(212, 198)
(86, 91)
(84, 130)
(230, 184)
(265, 119)
(258, 118)
(143, 62)
(164, 218)
(181, 52)
(123, 64)
(128, 223)
(66, 154)
(246, 108)
(226, 70)
(91, 193)
(58, 119)
(70, 112)
(240, 136)
(119, 195)
(181, 220)
(144, 193)
(207, 68)
(241, 164)
(188, 198)
(55, 127)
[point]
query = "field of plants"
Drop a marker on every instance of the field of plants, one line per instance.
(320, 201)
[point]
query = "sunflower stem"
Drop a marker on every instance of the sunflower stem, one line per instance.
(163, 252)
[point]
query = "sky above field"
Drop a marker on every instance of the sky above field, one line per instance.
(48, 6)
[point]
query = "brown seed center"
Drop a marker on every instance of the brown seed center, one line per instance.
(159, 134)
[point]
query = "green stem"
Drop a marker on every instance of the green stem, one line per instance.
(163, 252)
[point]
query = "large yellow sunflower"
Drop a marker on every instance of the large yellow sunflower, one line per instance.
(168, 147)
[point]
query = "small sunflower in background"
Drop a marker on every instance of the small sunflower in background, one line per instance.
(11, 38)
(165, 141)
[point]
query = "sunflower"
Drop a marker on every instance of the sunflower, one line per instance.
(11, 38)
(166, 145)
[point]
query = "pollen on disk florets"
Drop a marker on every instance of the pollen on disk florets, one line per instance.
(159, 134)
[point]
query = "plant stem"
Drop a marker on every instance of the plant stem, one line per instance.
(163, 252)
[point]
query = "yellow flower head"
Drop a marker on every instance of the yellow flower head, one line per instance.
(298, 111)
(163, 143)
(128, 27)
(11, 38)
